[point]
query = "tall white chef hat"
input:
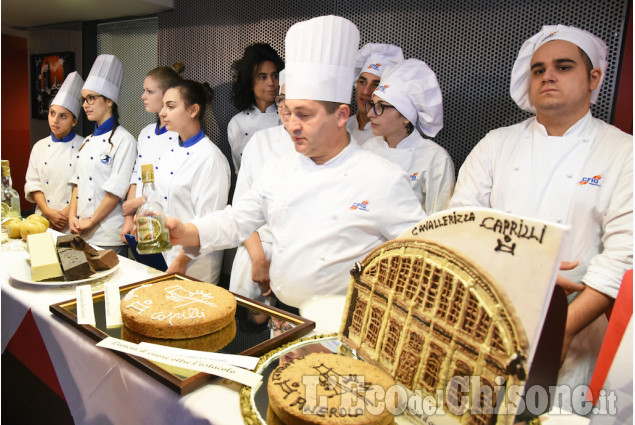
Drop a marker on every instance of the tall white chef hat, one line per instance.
(68, 95)
(105, 77)
(320, 59)
(412, 87)
(374, 58)
(593, 46)
(282, 78)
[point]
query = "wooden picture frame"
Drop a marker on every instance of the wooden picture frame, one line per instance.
(296, 328)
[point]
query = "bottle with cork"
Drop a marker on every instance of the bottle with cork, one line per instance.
(10, 196)
(150, 217)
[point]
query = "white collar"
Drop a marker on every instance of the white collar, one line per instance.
(337, 159)
(580, 129)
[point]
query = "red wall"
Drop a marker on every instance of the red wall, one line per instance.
(15, 134)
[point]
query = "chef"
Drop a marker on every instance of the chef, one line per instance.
(250, 269)
(254, 89)
(408, 101)
(153, 139)
(564, 166)
(52, 161)
(105, 160)
(371, 61)
(192, 177)
(330, 202)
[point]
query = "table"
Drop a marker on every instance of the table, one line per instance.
(99, 386)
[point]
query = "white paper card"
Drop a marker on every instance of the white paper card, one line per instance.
(85, 311)
(246, 362)
(223, 370)
(111, 304)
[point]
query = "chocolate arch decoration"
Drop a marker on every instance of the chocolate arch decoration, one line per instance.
(432, 319)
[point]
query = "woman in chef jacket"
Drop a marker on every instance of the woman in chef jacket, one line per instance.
(250, 269)
(254, 88)
(408, 101)
(153, 140)
(104, 162)
(371, 62)
(52, 161)
(192, 177)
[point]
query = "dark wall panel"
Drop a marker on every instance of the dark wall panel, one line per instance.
(470, 45)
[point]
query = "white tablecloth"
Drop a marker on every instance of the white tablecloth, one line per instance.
(99, 386)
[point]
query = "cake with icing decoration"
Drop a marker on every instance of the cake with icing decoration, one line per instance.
(177, 309)
(211, 342)
(323, 389)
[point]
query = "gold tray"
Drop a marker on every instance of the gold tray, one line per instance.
(251, 338)
(254, 402)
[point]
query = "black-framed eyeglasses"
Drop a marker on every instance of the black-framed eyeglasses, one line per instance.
(378, 108)
(90, 99)
(279, 99)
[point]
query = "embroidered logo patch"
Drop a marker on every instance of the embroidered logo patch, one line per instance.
(592, 181)
(550, 35)
(374, 66)
(413, 177)
(105, 158)
(383, 88)
(362, 206)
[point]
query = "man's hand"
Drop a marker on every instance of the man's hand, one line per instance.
(185, 234)
(179, 265)
(587, 306)
(569, 286)
(260, 275)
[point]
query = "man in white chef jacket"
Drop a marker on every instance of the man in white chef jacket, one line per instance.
(328, 203)
(371, 62)
(567, 167)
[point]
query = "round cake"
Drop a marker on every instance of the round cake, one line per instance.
(177, 309)
(322, 389)
(211, 342)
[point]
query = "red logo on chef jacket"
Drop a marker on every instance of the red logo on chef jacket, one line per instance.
(362, 206)
(550, 35)
(591, 181)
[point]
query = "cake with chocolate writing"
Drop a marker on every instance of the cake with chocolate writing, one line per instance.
(323, 388)
(177, 309)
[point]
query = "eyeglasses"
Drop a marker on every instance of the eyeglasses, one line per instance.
(279, 99)
(90, 99)
(378, 108)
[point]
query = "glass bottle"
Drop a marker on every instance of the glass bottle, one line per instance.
(150, 218)
(10, 196)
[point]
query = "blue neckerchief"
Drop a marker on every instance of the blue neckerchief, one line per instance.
(70, 136)
(105, 127)
(192, 140)
(160, 130)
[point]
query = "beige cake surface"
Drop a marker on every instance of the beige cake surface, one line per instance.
(323, 389)
(210, 342)
(177, 309)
